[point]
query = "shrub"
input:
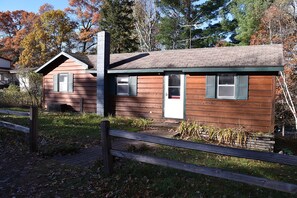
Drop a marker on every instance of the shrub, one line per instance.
(12, 96)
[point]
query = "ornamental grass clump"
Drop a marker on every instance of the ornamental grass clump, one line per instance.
(190, 130)
(141, 123)
(196, 131)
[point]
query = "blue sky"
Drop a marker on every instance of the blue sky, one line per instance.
(30, 5)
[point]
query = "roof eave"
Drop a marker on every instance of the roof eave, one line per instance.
(5, 59)
(91, 71)
(199, 70)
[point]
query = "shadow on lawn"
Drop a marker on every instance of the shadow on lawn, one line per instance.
(256, 168)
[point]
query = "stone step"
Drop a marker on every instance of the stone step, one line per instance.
(165, 125)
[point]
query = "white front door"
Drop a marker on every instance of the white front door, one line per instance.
(174, 95)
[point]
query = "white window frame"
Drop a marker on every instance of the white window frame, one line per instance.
(65, 83)
(123, 81)
(226, 85)
(176, 86)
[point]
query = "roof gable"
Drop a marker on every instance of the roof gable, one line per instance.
(63, 56)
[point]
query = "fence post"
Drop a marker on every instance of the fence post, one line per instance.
(106, 146)
(33, 128)
(81, 105)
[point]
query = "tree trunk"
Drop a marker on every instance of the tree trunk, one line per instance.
(283, 130)
(288, 97)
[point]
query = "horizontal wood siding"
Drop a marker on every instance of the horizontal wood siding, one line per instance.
(255, 114)
(149, 100)
(84, 86)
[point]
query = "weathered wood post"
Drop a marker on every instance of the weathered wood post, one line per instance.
(106, 146)
(81, 105)
(33, 128)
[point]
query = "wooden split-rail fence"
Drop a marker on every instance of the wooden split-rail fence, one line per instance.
(31, 131)
(108, 152)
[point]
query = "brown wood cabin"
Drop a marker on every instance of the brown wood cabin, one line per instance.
(225, 87)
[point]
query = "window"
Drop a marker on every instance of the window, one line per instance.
(174, 86)
(63, 82)
(226, 86)
(125, 85)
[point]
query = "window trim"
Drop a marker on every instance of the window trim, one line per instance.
(69, 83)
(132, 85)
(241, 86)
(226, 85)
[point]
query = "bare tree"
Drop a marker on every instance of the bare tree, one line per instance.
(284, 28)
(32, 83)
(279, 25)
(146, 19)
(287, 95)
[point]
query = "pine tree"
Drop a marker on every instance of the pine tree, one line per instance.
(190, 23)
(248, 14)
(117, 19)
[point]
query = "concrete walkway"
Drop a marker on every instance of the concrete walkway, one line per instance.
(87, 157)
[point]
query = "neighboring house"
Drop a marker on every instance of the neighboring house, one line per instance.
(22, 79)
(226, 86)
(5, 77)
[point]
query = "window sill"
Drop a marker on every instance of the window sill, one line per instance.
(122, 95)
(63, 92)
(226, 99)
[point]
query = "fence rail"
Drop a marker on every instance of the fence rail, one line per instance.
(234, 152)
(108, 154)
(14, 127)
(18, 113)
(31, 130)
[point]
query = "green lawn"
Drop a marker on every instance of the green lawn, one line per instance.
(62, 133)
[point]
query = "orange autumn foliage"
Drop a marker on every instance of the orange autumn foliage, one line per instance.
(87, 13)
(14, 26)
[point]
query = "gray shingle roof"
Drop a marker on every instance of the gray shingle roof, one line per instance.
(239, 56)
(219, 57)
(85, 58)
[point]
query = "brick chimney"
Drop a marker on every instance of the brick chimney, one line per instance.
(103, 58)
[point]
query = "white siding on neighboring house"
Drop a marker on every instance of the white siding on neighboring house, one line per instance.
(24, 82)
(5, 76)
